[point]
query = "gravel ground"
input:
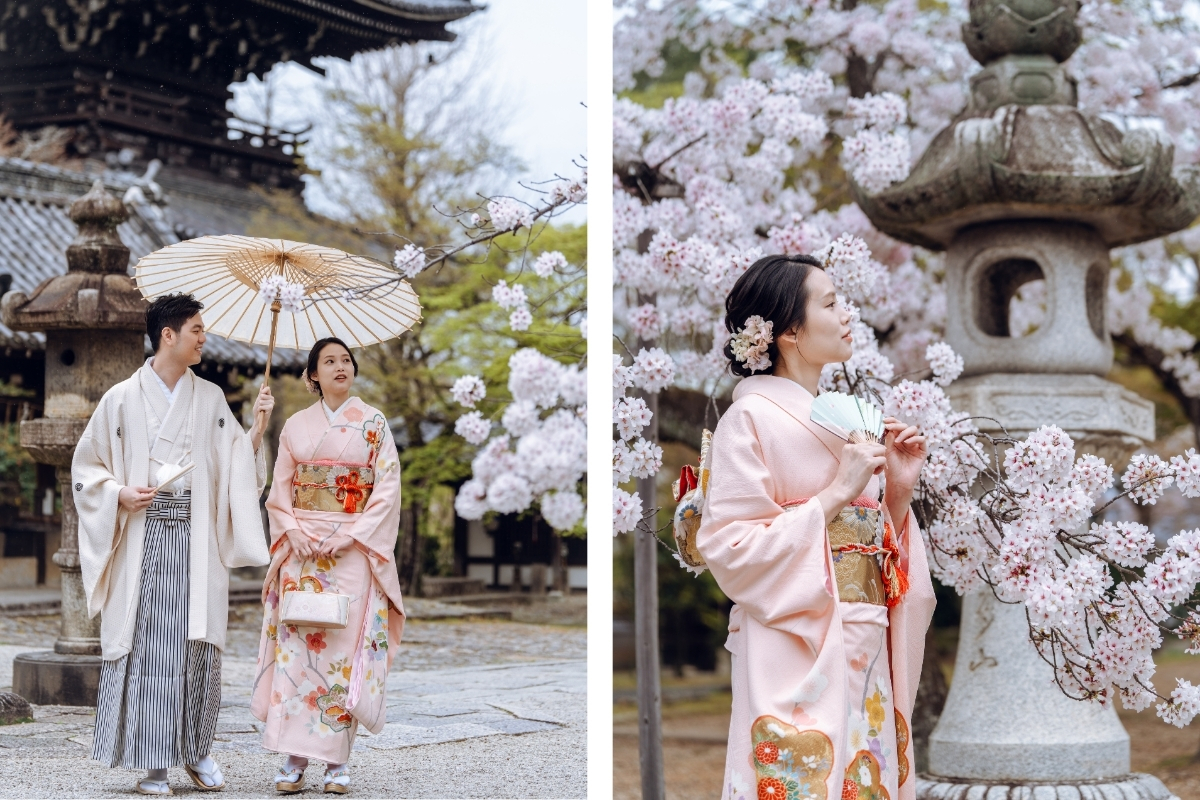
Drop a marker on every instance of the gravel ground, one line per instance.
(476, 708)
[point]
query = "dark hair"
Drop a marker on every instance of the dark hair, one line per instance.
(169, 311)
(774, 289)
(310, 373)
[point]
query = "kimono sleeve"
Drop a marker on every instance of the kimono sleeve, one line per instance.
(94, 470)
(280, 514)
(379, 523)
(771, 562)
(241, 539)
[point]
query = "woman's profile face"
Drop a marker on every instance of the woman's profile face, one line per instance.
(335, 369)
(825, 337)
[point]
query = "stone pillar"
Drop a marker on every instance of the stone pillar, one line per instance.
(94, 321)
(1007, 731)
(986, 264)
(1024, 186)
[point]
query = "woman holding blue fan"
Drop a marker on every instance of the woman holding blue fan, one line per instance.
(823, 559)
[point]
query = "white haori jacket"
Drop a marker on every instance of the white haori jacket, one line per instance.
(226, 523)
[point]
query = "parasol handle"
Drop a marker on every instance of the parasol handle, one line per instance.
(275, 308)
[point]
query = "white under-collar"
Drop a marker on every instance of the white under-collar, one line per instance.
(332, 413)
(170, 394)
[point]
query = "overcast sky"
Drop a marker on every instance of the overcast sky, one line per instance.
(539, 66)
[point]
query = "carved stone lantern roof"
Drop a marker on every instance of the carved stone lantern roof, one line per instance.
(96, 292)
(1023, 150)
(1040, 162)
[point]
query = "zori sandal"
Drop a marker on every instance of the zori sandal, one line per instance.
(198, 772)
(156, 788)
(337, 781)
(289, 782)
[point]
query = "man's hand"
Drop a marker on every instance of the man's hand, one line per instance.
(264, 404)
(301, 545)
(136, 498)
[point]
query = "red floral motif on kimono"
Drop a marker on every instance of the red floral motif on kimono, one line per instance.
(316, 641)
(789, 763)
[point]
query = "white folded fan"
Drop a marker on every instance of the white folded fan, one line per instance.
(848, 417)
(169, 473)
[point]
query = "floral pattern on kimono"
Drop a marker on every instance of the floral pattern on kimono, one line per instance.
(790, 764)
(316, 685)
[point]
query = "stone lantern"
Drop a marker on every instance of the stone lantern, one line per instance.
(94, 319)
(1025, 186)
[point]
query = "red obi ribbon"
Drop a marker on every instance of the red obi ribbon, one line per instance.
(349, 491)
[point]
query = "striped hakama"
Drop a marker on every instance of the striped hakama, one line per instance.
(157, 705)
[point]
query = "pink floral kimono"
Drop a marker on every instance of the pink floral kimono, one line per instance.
(315, 685)
(824, 671)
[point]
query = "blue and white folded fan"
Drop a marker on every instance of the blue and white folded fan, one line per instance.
(848, 417)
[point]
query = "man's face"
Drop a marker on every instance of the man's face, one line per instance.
(187, 345)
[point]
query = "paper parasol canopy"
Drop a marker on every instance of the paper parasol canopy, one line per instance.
(245, 282)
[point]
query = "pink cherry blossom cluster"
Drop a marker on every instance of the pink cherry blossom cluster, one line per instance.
(290, 295)
(468, 390)
(508, 214)
(409, 261)
(537, 459)
(539, 456)
(944, 362)
(513, 297)
(1099, 595)
(633, 455)
(548, 262)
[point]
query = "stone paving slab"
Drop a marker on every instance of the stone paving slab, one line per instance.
(516, 712)
(475, 709)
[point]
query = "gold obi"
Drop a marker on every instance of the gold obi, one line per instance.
(326, 486)
(858, 574)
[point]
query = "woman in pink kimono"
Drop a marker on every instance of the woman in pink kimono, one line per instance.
(828, 627)
(334, 510)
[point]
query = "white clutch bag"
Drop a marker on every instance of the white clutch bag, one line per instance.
(315, 609)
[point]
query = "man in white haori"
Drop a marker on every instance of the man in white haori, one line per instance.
(163, 456)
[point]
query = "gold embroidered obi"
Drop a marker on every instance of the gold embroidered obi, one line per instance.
(332, 486)
(852, 535)
(852, 539)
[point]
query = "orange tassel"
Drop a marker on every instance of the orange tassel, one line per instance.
(897, 580)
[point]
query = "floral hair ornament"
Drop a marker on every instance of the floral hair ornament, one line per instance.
(749, 345)
(310, 384)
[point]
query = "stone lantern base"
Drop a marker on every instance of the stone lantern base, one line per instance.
(1007, 731)
(60, 679)
(1131, 787)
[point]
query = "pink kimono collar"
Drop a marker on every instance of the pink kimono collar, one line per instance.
(793, 399)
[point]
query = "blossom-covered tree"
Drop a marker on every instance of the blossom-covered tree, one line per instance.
(737, 128)
(538, 459)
